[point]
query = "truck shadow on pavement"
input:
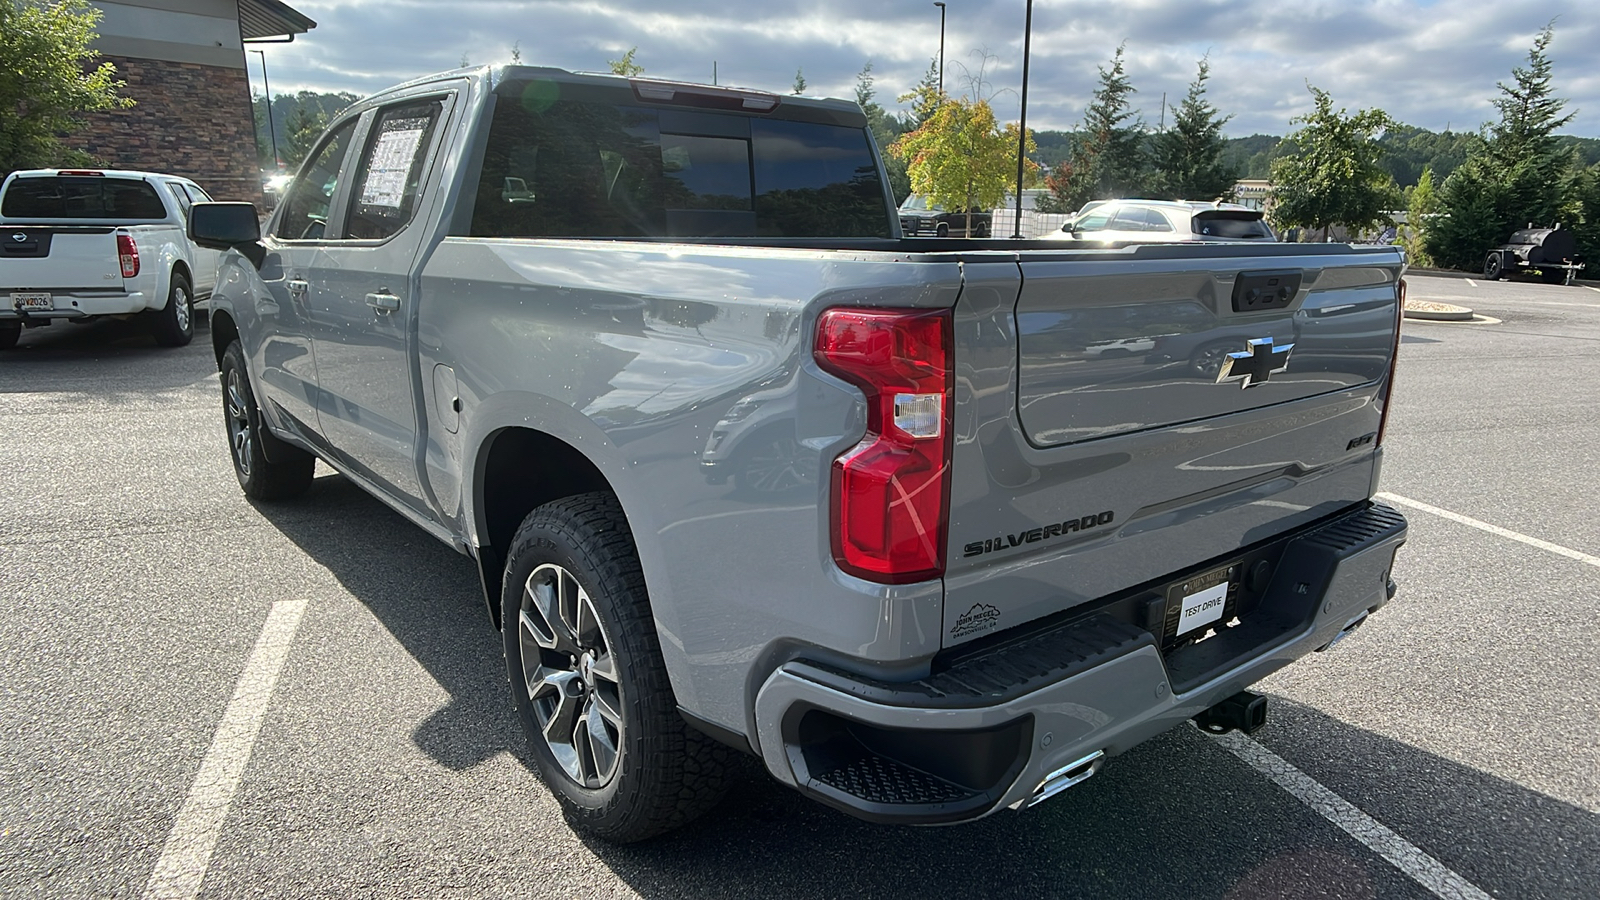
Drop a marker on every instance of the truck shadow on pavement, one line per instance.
(1176, 817)
(428, 597)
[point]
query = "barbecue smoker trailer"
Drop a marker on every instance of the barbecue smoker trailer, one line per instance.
(1552, 251)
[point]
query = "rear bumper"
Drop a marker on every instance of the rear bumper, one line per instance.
(1009, 726)
(77, 305)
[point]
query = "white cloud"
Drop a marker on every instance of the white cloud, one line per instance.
(1429, 63)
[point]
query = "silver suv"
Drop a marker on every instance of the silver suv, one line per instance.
(1146, 221)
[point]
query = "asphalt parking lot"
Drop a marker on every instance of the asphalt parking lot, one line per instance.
(1450, 748)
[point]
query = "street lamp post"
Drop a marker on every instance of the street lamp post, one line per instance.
(271, 128)
(941, 48)
(1022, 124)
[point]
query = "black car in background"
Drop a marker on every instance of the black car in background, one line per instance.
(921, 218)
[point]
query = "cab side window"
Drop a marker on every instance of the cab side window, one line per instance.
(306, 216)
(182, 197)
(393, 166)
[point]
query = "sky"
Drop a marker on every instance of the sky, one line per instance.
(1428, 63)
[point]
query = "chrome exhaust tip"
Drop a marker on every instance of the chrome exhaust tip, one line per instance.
(1072, 773)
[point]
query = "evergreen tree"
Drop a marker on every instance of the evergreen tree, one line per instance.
(885, 130)
(1108, 158)
(304, 129)
(1334, 179)
(1187, 159)
(799, 82)
(1422, 208)
(924, 99)
(1517, 172)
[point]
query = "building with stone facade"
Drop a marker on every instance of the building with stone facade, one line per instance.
(184, 62)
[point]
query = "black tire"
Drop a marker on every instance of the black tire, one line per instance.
(173, 324)
(10, 332)
(943, 230)
(1493, 267)
(583, 658)
(981, 230)
(288, 474)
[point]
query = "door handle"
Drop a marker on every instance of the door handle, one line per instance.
(384, 302)
(298, 288)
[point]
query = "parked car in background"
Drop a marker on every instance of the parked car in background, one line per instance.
(1147, 221)
(920, 217)
(76, 244)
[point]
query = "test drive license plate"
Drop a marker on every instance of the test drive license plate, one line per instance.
(1199, 601)
(31, 300)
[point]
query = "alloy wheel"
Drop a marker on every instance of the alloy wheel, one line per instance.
(571, 675)
(241, 437)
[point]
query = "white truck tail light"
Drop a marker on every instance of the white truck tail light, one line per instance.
(890, 494)
(127, 255)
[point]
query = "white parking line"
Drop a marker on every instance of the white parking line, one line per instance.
(1595, 289)
(184, 860)
(1402, 854)
(1471, 282)
(1557, 549)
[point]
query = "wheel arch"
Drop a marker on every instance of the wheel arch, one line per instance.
(518, 470)
(224, 331)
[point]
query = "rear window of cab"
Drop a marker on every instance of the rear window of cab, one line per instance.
(82, 197)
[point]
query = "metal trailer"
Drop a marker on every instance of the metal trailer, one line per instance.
(1553, 251)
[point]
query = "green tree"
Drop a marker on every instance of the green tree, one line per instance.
(924, 99)
(48, 78)
(1517, 172)
(1422, 209)
(625, 66)
(1334, 178)
(1187, 160)
(799, 82)
(885, 128)
(304, 127)
(1587, 201)
(1108, 158)
(961, 158)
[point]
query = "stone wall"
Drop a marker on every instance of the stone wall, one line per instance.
(190, 120)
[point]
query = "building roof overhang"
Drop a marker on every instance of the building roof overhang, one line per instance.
(269, 21)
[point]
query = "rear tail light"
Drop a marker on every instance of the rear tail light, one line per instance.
(127, 255)
(890, 498)
(1394, 359)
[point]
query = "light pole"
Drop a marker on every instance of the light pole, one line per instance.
(271, 128)
(941, 48)
(1022, 124)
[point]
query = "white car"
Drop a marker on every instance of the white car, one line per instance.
(1163, 221)
(80, 243)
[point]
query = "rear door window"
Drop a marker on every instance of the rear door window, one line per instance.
(83, 197)
(1230, 225)
(392, 168)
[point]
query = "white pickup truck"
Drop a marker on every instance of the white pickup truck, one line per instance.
(82, 243)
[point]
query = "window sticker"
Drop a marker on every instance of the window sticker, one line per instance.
(389, 167)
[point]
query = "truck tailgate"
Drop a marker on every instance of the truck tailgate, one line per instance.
(1097, 449)
(59, 258)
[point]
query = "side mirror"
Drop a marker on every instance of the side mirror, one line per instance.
(228, 226)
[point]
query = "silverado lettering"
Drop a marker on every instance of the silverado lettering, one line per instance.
(1034, 535)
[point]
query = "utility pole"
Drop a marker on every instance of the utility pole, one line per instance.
(1163, 126)
(271, 128)
(941, 49)
(1022, 124)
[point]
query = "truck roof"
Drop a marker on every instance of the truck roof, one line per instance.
(650, 90)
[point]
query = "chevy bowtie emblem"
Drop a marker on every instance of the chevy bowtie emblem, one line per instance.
(1259, 361)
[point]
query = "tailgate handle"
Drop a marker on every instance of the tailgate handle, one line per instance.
(384, 302)
(1262, 291)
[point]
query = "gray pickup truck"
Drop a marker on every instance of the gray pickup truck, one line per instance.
(742, 467)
